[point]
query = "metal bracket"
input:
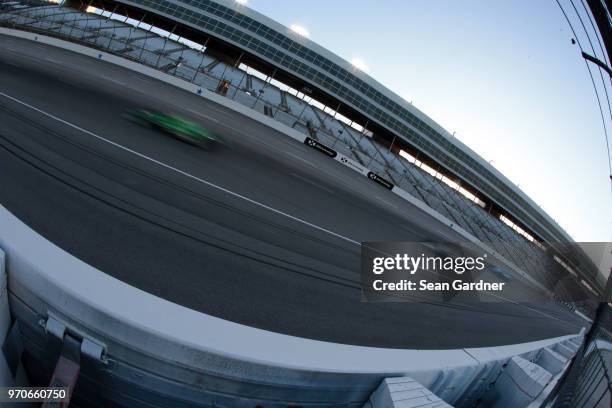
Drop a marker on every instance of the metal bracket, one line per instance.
(77, 352)
(57, 332)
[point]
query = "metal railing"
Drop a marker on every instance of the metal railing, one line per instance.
(594, 385)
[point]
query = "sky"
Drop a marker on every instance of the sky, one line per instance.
(503, 75)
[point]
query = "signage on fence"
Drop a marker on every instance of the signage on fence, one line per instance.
(320, 147)
(350, 163)
(382, 181)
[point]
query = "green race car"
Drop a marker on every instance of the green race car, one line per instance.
(176, 126)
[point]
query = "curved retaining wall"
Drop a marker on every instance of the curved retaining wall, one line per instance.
(143, 333)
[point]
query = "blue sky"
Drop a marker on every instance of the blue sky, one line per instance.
(502, 74)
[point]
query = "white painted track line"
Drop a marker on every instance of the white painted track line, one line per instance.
(179, 171)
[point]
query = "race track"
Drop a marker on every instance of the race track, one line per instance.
(263, 232)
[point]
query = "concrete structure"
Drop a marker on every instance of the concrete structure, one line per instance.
(155, 357)
(519, 384)
(403, 392)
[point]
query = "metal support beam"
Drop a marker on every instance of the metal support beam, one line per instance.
(597, 62)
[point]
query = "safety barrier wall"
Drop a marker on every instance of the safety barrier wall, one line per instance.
(142, 332)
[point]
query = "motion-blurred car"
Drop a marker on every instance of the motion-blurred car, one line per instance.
(176, 126)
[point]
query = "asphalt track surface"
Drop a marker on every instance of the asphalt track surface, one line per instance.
(262, 232)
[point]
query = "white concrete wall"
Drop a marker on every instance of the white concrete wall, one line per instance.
(53, 282)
